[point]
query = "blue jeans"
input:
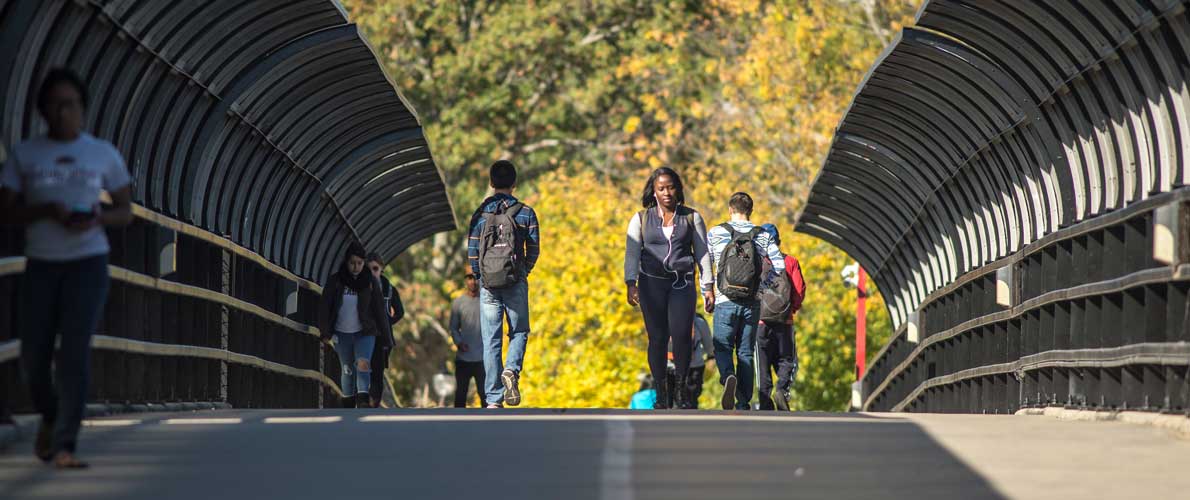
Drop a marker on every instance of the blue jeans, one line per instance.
(735, 333)
(61, 298)
(355, 357)
(493, 306)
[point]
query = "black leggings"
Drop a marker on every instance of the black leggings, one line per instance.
(669, 314)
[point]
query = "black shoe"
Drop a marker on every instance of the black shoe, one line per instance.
(662, 402)
(347, 402)
(363, 400)
(681, 393)
(765, 403)
(729, 393)
(44, 444)
(782, 400)
(512, 392)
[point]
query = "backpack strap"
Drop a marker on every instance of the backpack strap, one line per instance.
(730, 230)
(513, 209)
(641, 217)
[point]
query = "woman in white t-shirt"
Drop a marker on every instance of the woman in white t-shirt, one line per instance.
(352, 314)
(51, 185)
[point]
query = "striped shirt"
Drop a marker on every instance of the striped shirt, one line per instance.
(718, 238)
(526, 221)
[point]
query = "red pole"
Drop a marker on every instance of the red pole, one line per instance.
(861, 324)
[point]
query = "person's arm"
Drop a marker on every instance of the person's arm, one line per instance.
(532, 242)
(379, 310)
(118, 184)
(473, 232)
(13, 210)
(794, 269)
(397, 306)
(456, 325)
(632, 248)
(120, 214)
(702, 254)
(774, 252)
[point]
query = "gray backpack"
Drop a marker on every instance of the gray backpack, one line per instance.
(501, 258)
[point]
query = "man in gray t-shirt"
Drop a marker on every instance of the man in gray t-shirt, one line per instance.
(466, 333)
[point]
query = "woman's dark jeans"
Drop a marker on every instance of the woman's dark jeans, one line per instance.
(66, 298)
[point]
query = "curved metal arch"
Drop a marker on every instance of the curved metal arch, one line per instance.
(189, 92)
(1069, 110)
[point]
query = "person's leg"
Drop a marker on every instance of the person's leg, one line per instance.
(749, 317)
(83, 295)
(491, 320)
(516, 306)
(680, 320)
(364, 346)
(477, 372)
(345, 348)
(695, 383)
(787, 362)
(681, 323)
(462, 379)
(723, 337)
(765, 356)
(39, 315)
(653, 301)
(379, 364)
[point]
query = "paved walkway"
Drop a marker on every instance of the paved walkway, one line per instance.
(591, 454)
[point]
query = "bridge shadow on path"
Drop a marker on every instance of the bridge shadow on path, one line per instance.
(512, 453)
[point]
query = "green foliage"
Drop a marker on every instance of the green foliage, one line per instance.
(586, 97)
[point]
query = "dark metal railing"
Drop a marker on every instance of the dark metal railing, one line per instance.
(190, 316)
(1093, 316)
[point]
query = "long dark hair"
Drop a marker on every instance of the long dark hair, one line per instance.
(649, 200)
(362, 281)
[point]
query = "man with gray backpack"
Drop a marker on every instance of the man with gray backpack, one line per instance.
(502, 246)
(776, 347)
(738, 250)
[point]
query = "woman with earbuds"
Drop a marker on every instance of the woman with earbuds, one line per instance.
(666, 242)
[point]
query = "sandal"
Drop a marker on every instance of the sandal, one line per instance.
(66, 460)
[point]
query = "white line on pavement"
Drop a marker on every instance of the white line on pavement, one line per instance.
(302, 420)
(201, 421)
(490, 416)
(110, 423)
(615, 475)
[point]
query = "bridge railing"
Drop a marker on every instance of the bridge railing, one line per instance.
(1096, 316)
(191, 317)
(1014, 176)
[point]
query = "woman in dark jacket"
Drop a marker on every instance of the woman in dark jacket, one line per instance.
(353, 313)
(667, 242)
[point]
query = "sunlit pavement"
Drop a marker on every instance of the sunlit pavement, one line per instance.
(603, 454)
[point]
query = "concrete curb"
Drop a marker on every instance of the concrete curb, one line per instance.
(1179, 425)
(25, 425)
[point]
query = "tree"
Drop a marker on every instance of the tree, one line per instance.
(586, 98)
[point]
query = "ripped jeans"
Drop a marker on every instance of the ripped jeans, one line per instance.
(355, 357)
